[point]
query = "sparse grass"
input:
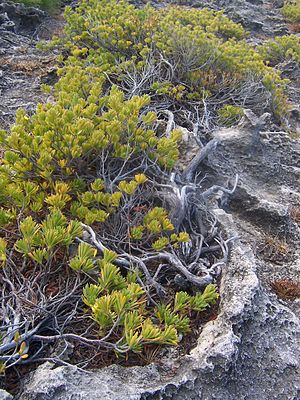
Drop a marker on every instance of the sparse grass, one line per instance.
(273, 249)
(295, 213)
(286, 289)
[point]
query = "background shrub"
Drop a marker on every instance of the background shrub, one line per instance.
(281, 48)
(172, 54)
(291, 10)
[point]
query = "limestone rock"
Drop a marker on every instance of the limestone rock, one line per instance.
(24, 19)
(4, 395)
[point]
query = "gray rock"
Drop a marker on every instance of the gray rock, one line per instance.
(24, 19)
(278, 3)
(4, 395)
(6, 23)
(23, 68)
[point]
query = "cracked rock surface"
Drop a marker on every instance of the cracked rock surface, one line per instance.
(23, 68)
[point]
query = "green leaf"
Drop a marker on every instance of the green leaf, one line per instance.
(3, 245)
(39, 255)
(22, 246)
(182, 301)
(29, 228)
(90, 294)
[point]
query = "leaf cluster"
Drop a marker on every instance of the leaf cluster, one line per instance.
(39, 240)
(119, 303)
(158, 229)
(229, 115)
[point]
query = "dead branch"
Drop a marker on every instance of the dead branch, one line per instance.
(189, 173)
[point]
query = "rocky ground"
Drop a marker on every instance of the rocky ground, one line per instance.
(251, 350)
(23, 67)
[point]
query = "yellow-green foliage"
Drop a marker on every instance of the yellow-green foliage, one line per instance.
(48, 158)
(40, 239)
(120, 302)
(291, 10)
(229, 115)
(205, 48)
(58, 168)
(281, 48)
(157, 228)
(3, 245)
(84, 156)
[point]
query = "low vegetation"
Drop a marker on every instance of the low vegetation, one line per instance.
(291, 10)
(281, 49)
(286, 289)
(176, 54)
(106, 242)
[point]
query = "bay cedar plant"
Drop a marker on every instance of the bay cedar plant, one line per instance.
(81, 160)
(94, 155)
(178, 53)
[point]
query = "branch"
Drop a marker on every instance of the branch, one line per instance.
(189, 173)
(199, 282)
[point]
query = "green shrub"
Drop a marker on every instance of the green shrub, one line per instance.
(120, 302)
(176, 53)
(64, 165)
(229, 115)
(94, 159)
(48, 157)
(291, 10)
(281, 48)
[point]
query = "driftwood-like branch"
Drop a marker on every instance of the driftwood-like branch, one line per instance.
(216, 188)
(175, 263)
(189, 172)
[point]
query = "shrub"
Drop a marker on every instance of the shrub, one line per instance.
(230, 115)
(83, 158)
(291, 10)
(120, 303)
(49, 157)
(85, 182)
(281, 48)
(173, 54)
